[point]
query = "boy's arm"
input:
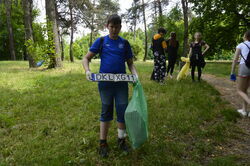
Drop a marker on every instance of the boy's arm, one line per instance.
(85, 63)
(131, 67)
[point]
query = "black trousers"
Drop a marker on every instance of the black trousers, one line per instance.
(193, 71)
(171, 63)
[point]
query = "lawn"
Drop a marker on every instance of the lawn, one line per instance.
(51, 117)
(218, 69)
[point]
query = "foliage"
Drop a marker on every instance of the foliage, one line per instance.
(18, 30)
(222, 23)
(51, 117)
(173, 22)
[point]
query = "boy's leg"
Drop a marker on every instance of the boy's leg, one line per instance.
(104, 127)
(121, 102)
(107, 98)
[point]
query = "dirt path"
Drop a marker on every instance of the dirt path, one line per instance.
(228, 92)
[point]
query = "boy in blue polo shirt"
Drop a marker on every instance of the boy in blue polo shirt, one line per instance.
(115, 52)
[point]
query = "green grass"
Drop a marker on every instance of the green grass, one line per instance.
(218, 69)
(51, 117)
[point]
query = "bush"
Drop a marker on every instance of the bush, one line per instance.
(223, 55)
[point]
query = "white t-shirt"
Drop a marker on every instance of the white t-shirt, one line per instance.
(244, 50)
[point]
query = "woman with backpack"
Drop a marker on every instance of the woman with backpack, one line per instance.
(197, 55)
(243, 83)
(172, 49)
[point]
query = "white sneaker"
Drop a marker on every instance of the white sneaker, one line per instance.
(171, 77)
(242, 112)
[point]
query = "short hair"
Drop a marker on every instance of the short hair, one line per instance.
(162, 30)
(247, 35)
(115, 19)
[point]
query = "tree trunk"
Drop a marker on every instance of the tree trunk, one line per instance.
(91, 36)
(10, 30)
(59, 33)
(71, 33)
(1, 22)
(145, 31)
(27, 10)
(53, 37)
(185, 14)
(62, 48)
(155, 9)
(135, 19)
(92, 26)
(159, 7)
(160, 13)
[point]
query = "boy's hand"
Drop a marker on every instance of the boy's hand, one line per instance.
(136, 78)
(233, 77)
(88, 75)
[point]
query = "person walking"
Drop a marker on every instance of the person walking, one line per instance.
(243, 83)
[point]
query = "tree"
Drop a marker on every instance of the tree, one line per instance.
(185, 16)
(27, 10)
(53, 37)
(94, 14)
(222, 23)
(71, 31)
(10, 29)
(145, 31)
(132, 16)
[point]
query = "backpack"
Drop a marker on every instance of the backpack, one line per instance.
(247, 60)
(126, 43)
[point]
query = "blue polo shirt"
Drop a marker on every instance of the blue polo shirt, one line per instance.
(114, 54)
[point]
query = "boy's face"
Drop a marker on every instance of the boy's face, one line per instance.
(114, 29)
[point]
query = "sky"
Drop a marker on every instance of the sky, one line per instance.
(124, 5)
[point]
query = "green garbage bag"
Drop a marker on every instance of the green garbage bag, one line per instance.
(136, 117)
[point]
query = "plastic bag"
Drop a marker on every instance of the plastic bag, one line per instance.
(136, 117)
(184, 70)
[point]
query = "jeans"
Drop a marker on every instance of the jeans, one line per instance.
(110, 93)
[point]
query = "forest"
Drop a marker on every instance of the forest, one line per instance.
(222, 24)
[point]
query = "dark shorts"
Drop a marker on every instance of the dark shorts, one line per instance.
(110, 93)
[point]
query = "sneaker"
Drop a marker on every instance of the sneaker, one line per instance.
(242, 112)
(171, 77)
(122, 145)
(103, 151)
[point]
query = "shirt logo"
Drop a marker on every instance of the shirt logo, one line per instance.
(121, 46)
(107, 45)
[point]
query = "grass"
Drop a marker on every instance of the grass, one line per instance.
(51, 117)
(218, 69)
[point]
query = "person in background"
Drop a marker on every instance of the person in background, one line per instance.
(197, 55)
(172, 51)
(115, 53)
(159, 47)
(243, 83)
